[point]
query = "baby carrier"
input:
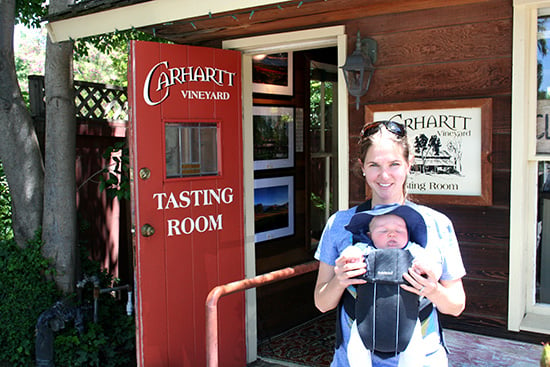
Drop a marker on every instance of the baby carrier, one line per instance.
(386, 315)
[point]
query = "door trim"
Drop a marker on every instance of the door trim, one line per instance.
(300, 40)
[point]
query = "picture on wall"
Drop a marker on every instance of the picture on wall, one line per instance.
(273, 137)
(272, 74)
(452, 145)
(273, 208)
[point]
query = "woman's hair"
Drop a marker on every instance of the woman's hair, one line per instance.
(366, 142)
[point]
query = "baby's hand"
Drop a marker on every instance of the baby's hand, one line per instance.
(352, 254)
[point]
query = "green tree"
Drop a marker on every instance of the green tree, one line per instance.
(91, 63)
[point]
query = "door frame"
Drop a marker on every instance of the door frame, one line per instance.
(334, 36)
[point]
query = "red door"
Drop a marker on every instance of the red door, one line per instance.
(186, 150)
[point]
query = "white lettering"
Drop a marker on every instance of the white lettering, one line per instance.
(159, 197)
(191, 225)
(181, 75)
(203, 197)
(200, 224)
(227, 195)
(171, 201)
(204, 94)
(173, 227)
(184, 199)
(147, 85)
(216, 224)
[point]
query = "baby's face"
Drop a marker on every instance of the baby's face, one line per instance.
(388, 231)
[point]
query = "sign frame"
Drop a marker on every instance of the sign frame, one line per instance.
(481, 110)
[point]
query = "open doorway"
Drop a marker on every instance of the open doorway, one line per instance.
(269, 255)
(322, 135)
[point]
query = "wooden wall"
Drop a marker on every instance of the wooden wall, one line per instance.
(457, 52)
(450, 52)
(453, 53)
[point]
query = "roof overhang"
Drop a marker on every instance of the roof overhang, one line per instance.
(143, 14)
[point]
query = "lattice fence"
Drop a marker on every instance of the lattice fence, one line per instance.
(94, 101)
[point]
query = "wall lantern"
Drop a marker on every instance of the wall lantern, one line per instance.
(359, 68)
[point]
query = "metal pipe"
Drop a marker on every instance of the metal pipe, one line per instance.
(114, 289)
(223, 290)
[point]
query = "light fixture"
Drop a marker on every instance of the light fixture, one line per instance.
(359, 68)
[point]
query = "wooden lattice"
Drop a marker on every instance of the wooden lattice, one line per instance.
(93, 101)
(96, 101)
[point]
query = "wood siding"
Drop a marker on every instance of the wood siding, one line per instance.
(458, 52)
(450, 53)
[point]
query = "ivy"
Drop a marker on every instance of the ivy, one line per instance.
(24, 293)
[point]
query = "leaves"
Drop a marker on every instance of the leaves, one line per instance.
(30, 12)
(6, 230)
(24, 294)
(116, 180)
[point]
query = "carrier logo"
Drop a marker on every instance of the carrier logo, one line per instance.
(161, 77)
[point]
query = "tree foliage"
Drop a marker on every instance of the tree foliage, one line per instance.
(30, 12)
(6, 231)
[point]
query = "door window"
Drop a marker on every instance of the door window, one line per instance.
(191, 149)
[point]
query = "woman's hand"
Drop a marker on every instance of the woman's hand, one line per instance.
(332, 281)
(350, 265)
(421, 278)
(447, 295)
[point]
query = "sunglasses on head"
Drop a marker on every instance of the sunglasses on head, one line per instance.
(392, 126)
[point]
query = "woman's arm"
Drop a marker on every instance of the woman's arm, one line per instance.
(333, 280)
(447, 295)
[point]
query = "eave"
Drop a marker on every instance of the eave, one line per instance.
(209, 21)
(66, 26)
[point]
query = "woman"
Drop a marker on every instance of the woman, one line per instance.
(385, 161)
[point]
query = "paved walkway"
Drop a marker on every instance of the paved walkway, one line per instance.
(467, 350)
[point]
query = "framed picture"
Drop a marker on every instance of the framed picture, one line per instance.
(452, 146)
(273, 208)
(272, 74)
(273, 137)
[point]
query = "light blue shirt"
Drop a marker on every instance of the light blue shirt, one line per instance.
(442, 245)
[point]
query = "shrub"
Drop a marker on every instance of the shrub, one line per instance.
(24, 294)
(108, 343)
(26, 291)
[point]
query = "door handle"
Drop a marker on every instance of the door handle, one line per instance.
(147, 230)
(144, 173)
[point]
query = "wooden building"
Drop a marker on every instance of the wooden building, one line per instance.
(428, 51)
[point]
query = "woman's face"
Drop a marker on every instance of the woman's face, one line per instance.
(386, 170)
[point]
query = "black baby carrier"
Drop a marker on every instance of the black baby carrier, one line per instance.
(386, 314)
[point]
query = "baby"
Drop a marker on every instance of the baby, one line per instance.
(385, 228)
